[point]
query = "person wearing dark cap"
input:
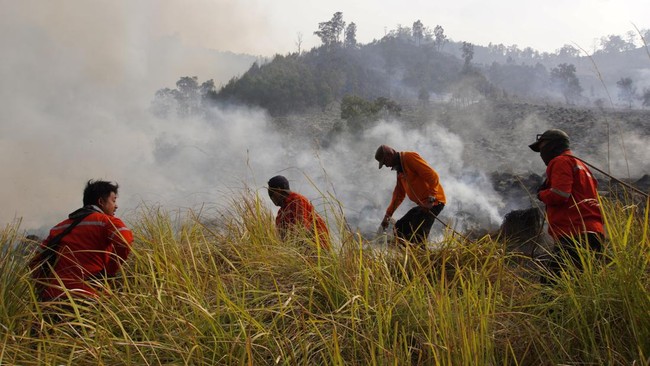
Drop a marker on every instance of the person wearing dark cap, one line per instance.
(420, 182)
(571, 199)
(296, 214)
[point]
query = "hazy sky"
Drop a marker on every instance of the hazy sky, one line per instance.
(268, 27)
(78, 78)
(265, 27)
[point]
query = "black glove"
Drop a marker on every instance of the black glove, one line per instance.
(385, 221)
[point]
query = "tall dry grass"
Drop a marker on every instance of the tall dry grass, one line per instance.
(225, 290)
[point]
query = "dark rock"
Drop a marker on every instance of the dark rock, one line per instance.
(522, 230)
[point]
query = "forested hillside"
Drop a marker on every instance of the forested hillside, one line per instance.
(417, 63)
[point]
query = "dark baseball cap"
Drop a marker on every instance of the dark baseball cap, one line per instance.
(381, 152)
(379, 155)
(549, 135)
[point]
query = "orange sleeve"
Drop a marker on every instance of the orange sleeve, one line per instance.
(397, 199)
(120, 242)
(560, 178)
(296, 212)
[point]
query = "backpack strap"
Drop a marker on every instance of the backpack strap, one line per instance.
(48, 256)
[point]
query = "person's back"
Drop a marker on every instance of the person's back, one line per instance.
(296, 214)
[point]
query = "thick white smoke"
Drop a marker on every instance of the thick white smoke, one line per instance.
(366, 190)
(78, 79)
(74, 105)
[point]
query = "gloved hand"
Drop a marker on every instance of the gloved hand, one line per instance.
(385, 221)
(428, 204)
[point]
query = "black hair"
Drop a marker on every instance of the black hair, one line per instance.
(279, 182)
(96, 189)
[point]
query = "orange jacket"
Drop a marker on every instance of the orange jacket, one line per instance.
(417, 180)
(571, 198)
(297, 213)
(97, 246)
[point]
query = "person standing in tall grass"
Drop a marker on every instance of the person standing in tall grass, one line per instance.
(570, 194)
(420, 182)
(296, 214)
(89, 246)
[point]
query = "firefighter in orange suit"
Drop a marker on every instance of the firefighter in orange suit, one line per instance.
(417, 180)
(571, 198)
(91, 251)
(296, 213)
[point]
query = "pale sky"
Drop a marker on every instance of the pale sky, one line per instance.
(266, 27)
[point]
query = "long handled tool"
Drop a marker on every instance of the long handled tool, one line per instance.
(449, 227)
(382, 231)
(629, 186)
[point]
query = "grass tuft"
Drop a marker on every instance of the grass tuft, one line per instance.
(225, 290)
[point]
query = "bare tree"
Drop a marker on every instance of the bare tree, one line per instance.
(299, 41)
